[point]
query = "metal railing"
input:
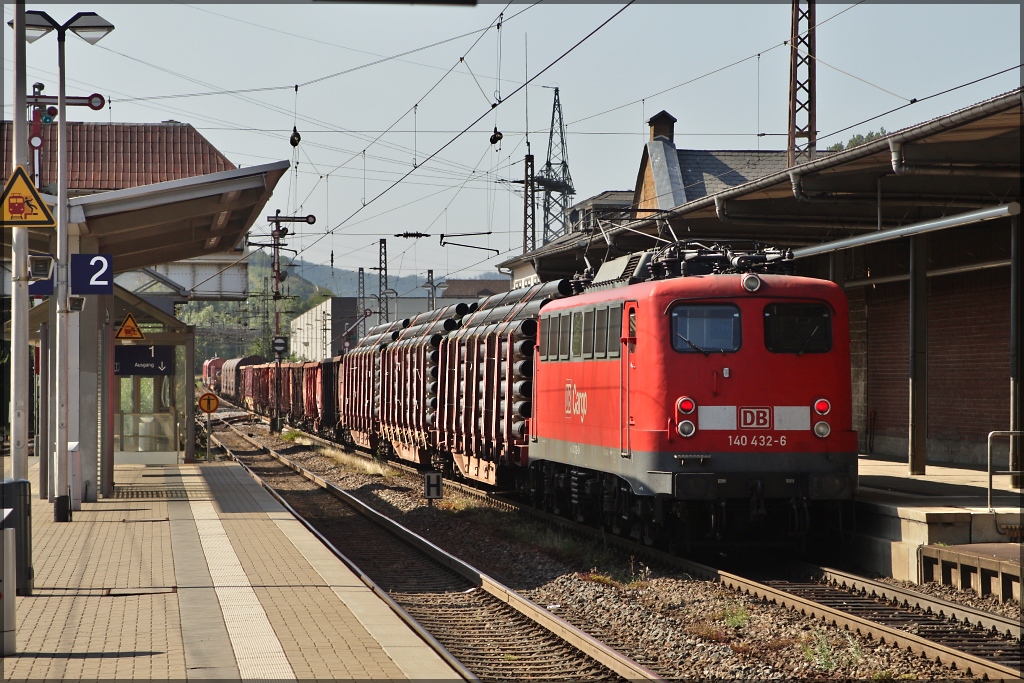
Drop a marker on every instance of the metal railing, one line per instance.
(990, 472)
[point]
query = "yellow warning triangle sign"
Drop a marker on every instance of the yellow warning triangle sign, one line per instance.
(22, 205)
(129, 329)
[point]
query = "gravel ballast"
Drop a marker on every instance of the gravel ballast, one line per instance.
(678, 626)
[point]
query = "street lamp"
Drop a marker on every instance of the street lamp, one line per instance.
(91, 28)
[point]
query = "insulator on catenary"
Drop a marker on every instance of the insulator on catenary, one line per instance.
(523, 369)
(524, 348)
(523, 388)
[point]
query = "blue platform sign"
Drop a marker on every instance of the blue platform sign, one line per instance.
(92, 274)
(147, 361)
(41, 287)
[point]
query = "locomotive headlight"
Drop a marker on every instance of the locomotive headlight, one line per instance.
(821, 429)
(822, 406)
(751, 282)
(686, 429)
(686, 405)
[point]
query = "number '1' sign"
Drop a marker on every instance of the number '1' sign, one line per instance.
(92, 274)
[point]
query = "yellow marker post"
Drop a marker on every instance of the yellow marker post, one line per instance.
(208, 403)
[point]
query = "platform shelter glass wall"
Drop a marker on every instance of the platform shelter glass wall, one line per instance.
(149, 415)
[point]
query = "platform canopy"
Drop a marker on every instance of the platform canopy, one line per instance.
(963, 161)
(162, 222)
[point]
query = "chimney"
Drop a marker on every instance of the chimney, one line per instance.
(662, 124)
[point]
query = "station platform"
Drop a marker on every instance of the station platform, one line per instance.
(908, 525)
(196, 572)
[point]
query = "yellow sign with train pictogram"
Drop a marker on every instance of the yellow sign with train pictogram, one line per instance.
(22, 207)
(129, 329)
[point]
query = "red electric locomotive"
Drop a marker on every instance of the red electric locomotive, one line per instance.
(696, 406)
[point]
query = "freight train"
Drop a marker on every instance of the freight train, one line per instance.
(683, 393)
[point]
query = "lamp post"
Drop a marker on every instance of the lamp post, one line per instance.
(19, 267)
(90, 27)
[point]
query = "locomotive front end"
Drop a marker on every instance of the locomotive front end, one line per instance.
(710, 402)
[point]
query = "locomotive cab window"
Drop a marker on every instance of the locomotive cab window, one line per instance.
(563, 336)
(601, 333)
(798, 328)
(545, 335)
(614, 331)
(588, 334)
(577, 334)
(698, 328)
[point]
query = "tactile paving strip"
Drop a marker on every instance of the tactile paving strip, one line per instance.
(258, 650)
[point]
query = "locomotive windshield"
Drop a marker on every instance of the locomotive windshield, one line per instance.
(705, 329)
(798, 328)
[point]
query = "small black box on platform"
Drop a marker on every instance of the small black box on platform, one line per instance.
(16, 494)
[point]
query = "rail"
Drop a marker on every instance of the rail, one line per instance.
(990, 472)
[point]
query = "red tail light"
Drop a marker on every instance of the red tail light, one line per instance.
(686, 405)
(822, 406)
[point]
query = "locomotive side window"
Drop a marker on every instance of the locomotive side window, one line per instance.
(563, 337)
(542, 338)
(588, 334)
(550, 350)
(705, 329)
(577, 334)
(614, 331)
(601, 333)
(798, 328)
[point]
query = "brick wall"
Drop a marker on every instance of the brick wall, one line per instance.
(968, 362)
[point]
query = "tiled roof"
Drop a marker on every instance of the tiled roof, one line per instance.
(608, 197)
(470, 289)
(708, 172)
(115, 156)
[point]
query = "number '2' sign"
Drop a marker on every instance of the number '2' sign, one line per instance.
(92, 274)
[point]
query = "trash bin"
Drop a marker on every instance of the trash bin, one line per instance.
(16, 494)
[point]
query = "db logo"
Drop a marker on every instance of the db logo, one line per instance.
(575, 401)
(755, 418)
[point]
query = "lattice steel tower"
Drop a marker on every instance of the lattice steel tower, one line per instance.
(554, 178)
(802, 132)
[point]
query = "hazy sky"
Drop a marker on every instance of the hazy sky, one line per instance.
(722, 70)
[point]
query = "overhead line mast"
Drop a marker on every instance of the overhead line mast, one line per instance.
(555, 178)
(803, 133)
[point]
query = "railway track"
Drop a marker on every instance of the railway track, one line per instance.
(484, 626)
(975, 641)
